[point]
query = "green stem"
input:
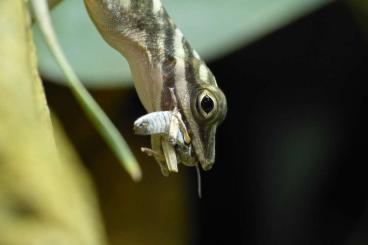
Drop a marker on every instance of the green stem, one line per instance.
(89, 105)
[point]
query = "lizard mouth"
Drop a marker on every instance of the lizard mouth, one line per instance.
(185, 152)
(206, 163)
(203, 142)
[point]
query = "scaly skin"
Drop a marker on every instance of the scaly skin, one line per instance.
(161, 58)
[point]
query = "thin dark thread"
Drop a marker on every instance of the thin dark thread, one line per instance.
(199, 181)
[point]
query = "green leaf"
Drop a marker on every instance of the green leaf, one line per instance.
(46, 195)
(97, 116)
(213, 27)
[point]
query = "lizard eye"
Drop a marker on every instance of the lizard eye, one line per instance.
(206, 104)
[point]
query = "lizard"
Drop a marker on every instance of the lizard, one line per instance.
(169, 77)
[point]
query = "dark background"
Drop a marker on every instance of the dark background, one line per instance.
(291, 154)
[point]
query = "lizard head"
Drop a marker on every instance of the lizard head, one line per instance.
(204, 109)
(209, 109)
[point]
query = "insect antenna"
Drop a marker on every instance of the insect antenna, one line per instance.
(199, 181)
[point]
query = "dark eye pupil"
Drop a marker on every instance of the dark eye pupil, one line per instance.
(207, 104)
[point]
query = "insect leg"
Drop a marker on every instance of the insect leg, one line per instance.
(170, 155)
(176, 122)
(158, 154)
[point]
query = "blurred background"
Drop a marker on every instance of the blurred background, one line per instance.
(291, 154)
